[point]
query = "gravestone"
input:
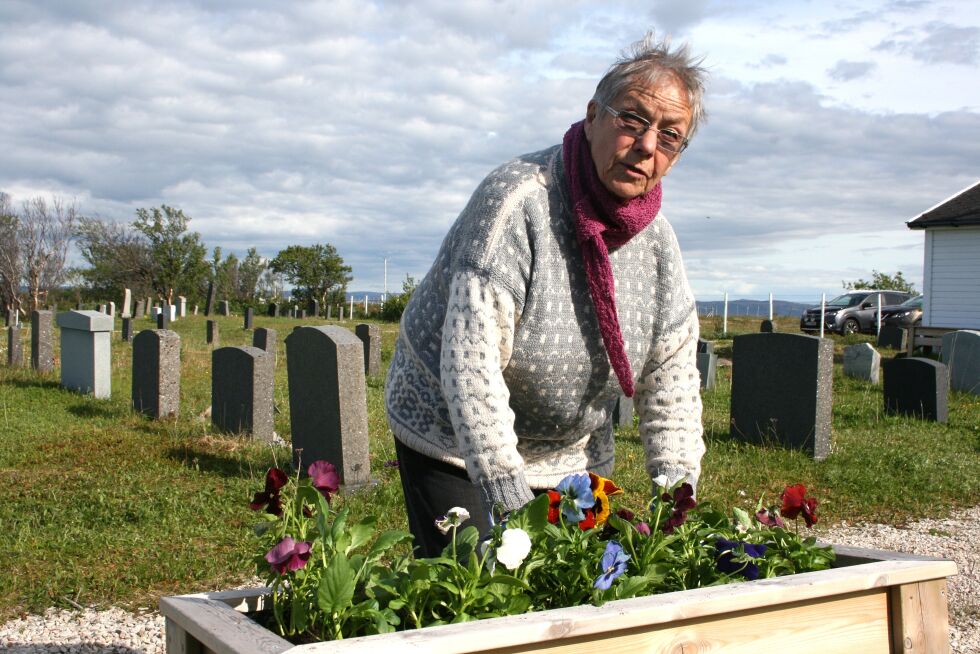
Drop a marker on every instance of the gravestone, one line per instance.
(917, 387)
(15, 347)
(224, 308)
(173, 311)
(329, 311)
(249, 318)
(86, 361)
(78, 306)
(862, 361)
(10, 318)
(156, 373)
(102, 308)
(213, 334)
(315, 308)
(273, 310)
(42, 341)
(707, 363)
(267, 340)
(112, 309)
(163, 318)
(623, 412)
(766, 327)
(302, 314)
(370, 336)
(781, 390)
(127, 330)
(328, 400)
(242, 391)
(961, 354)
(127, 304)
(707, 347)
(140, 310)
(893, 337)
(209, 305)
(341, 311)
(148, 307)
(181, 306)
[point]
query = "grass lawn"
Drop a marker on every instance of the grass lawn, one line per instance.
(101, 506)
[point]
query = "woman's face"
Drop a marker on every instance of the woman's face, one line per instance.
(629, 166)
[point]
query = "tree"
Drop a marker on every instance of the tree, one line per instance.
(118, 256)
(882, 282)
(179, 257)
(225, 274)
(315, 271)
(249, 272)
(395, 305)
(10, 265)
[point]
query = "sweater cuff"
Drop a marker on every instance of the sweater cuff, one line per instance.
(510, 492)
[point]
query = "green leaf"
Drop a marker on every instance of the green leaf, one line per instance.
(336, 587)
(387, 540)
(361, 532)
(298, 614)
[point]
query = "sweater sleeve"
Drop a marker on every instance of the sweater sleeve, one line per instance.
(477, 341)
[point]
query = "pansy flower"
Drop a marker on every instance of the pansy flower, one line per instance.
(602, 490)
(324, 478)
(288, 555)
(454, 518)
(729, 562)
(769, 518)
(795, 502)
(576, 495)
(270, 498)
(683, 501)
(613, 565)
(515, 545)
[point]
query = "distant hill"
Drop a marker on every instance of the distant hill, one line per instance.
(753, 308)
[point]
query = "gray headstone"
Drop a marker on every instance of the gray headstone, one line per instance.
(268, 340)
(213, 333)
(370, 336)
(156, 373)
(329, 311)
(86, 355)
(42, 341)
(707, 347)
(103, 308)
(302, 314)
(328, 400)
(181, 306)
(163, 318)
(15, 347)
(127, 330)
(341, 311)
(623, 412)
(209, 305)
(224, 308)
(862, 361)
(249, 318)
(112, 309)
(242, 391)
(707, 363)
(315, 308)
(916, 387)
(127, 304)
(766, 327)
(782, 386)
(273, 310)
(140, 310)
(961, 353)
(893, 337)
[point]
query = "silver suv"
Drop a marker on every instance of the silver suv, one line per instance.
(851, 312)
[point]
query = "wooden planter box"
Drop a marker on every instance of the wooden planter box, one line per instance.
(872, 602)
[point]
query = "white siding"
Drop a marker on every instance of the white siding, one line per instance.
(952, 278)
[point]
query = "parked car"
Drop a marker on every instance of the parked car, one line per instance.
(904, 315)
(851, 312)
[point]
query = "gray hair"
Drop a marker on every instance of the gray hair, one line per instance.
(644, 62)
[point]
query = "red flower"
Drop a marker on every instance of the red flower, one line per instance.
(589, 521)
(275, 479)
(795, 502)
(683, 501)
(324, 478)
(626, 514)
(554, 506)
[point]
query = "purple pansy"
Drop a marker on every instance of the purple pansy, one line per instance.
(275, 479)
(683, 501)
(729, 549)
(324, 478)
(769, 518)
(613, 564)
(288, 555)
(643, 528)
(576, 492)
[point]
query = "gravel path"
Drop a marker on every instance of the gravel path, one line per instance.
(119, 632)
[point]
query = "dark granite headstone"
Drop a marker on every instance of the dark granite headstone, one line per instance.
(273, 310)
(249, 318)
(242, 391)
(209, 304)
(328, 400)
(706, 346)
(707, 363)
(893, 337)
(156, 373)
(782, 387)
(163, 318)
(268, 340)
(862, 361)
(42, 341)
(314, 308)
(623, 412)
(127, 330)
(370, 335)
(213, 333)
(916, 387)
(961, 352)
(15, 347)
(766, 327)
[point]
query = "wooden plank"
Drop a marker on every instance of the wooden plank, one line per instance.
(920, 620)
(179, 641)
(219, 628)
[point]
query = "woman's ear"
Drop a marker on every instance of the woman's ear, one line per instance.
(591, 111)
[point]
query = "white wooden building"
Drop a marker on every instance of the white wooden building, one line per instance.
(951, 269)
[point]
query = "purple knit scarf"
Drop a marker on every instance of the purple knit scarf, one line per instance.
(602, 220)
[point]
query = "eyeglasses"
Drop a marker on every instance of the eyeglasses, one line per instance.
(669, 140)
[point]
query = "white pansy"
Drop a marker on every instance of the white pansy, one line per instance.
(454, 517)
(515, 545)
(660, 481)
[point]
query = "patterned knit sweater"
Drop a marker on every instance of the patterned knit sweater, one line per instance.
(500, 365)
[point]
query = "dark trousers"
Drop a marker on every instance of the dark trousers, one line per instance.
(431, 489)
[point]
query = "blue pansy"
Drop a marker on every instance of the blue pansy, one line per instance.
(728, 563)
(613, 564)
(576, 491)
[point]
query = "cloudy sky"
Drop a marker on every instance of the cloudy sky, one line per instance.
(367, 124)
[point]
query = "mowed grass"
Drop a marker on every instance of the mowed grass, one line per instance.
(101, 506)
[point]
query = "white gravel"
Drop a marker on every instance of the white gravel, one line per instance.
(120, 632)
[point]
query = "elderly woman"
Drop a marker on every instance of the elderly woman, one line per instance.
(559, 288)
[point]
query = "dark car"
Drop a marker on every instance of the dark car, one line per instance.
(851, 312)
(903, 315)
